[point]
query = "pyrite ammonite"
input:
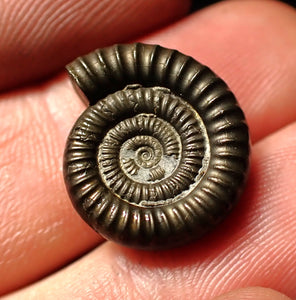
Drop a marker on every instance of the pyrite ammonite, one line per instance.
(161, 154)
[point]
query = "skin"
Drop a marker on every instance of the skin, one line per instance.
(44, 243)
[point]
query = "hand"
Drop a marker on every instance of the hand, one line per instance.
(251, 45)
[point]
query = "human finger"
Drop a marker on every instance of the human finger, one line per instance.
(38, 38)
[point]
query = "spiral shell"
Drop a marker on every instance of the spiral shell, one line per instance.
(161, 155)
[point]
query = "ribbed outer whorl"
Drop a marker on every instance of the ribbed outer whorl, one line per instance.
(160, 163)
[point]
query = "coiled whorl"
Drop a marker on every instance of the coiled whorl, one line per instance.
(162, 154)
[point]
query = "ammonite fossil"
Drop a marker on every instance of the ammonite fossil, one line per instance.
(161, 154)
